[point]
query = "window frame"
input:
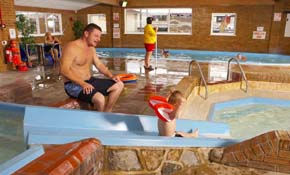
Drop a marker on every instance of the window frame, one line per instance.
(161, 33)
(95, 14)
(37, 27)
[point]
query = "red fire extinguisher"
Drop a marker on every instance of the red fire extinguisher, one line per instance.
(8, 55)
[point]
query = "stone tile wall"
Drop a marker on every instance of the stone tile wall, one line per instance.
(121, 160)
(150, 160)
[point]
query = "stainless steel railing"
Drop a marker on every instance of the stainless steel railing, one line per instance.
(201, 75)
(242, 73)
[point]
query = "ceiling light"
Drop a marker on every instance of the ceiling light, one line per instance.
(123, 3)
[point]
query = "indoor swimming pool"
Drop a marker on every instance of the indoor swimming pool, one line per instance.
(253, 116)
(139, 53)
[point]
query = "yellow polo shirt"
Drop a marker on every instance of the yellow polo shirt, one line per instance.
(149, 34)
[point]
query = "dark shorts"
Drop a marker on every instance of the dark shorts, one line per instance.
(177, 135)
(149, 47)
(100, 85)
(47, 47)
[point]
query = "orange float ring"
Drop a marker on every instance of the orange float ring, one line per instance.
(162, 111)
(153, 100)
(128, 78)
(161, 107)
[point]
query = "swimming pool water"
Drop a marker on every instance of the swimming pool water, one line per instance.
(11, 134)
(139, 53)
(251, 120)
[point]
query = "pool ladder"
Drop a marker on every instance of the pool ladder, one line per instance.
(203, 81)
(242, 73)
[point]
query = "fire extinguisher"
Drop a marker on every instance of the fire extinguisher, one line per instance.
(8, 55)
(15, 56)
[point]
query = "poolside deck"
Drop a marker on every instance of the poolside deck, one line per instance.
(42, 86)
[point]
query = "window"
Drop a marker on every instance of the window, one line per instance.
(100, 20)
(223, 24)
(168, 21)
(44, 22)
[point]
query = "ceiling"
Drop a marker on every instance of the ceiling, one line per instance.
(57, 4)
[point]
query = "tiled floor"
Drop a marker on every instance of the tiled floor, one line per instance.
(47, 85)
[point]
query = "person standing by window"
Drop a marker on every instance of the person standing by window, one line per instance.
(150, 36)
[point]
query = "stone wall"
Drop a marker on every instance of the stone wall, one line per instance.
(121, 160)
(150, 160)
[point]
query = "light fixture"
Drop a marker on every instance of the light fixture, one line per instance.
(123, 3)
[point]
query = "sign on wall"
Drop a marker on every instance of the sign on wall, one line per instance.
(223, 24)
(12, 33)
(259, 35)
(277, 16)
(287, 27)
(116, 16)
(116, 32)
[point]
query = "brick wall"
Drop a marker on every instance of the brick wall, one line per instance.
(247, 22)
(68, 16)
(269, 151)
(8, 18)
(248, 19)
(106, 40)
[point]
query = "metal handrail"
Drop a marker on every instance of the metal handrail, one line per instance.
(242, 71)
(201, 75)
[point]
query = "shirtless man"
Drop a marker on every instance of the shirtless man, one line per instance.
(75, 65)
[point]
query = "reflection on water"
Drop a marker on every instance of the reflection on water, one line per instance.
(251, 120)
(45, 77)
(11, 134)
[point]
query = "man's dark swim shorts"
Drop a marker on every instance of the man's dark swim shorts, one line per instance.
(100, 85)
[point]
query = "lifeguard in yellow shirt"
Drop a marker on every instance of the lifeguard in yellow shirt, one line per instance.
(150, 34)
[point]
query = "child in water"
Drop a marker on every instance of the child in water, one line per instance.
(169, 128)
(241, 57)
(165, 53)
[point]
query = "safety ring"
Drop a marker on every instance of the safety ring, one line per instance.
(153, 100)
(162, 110)
(128, 78)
